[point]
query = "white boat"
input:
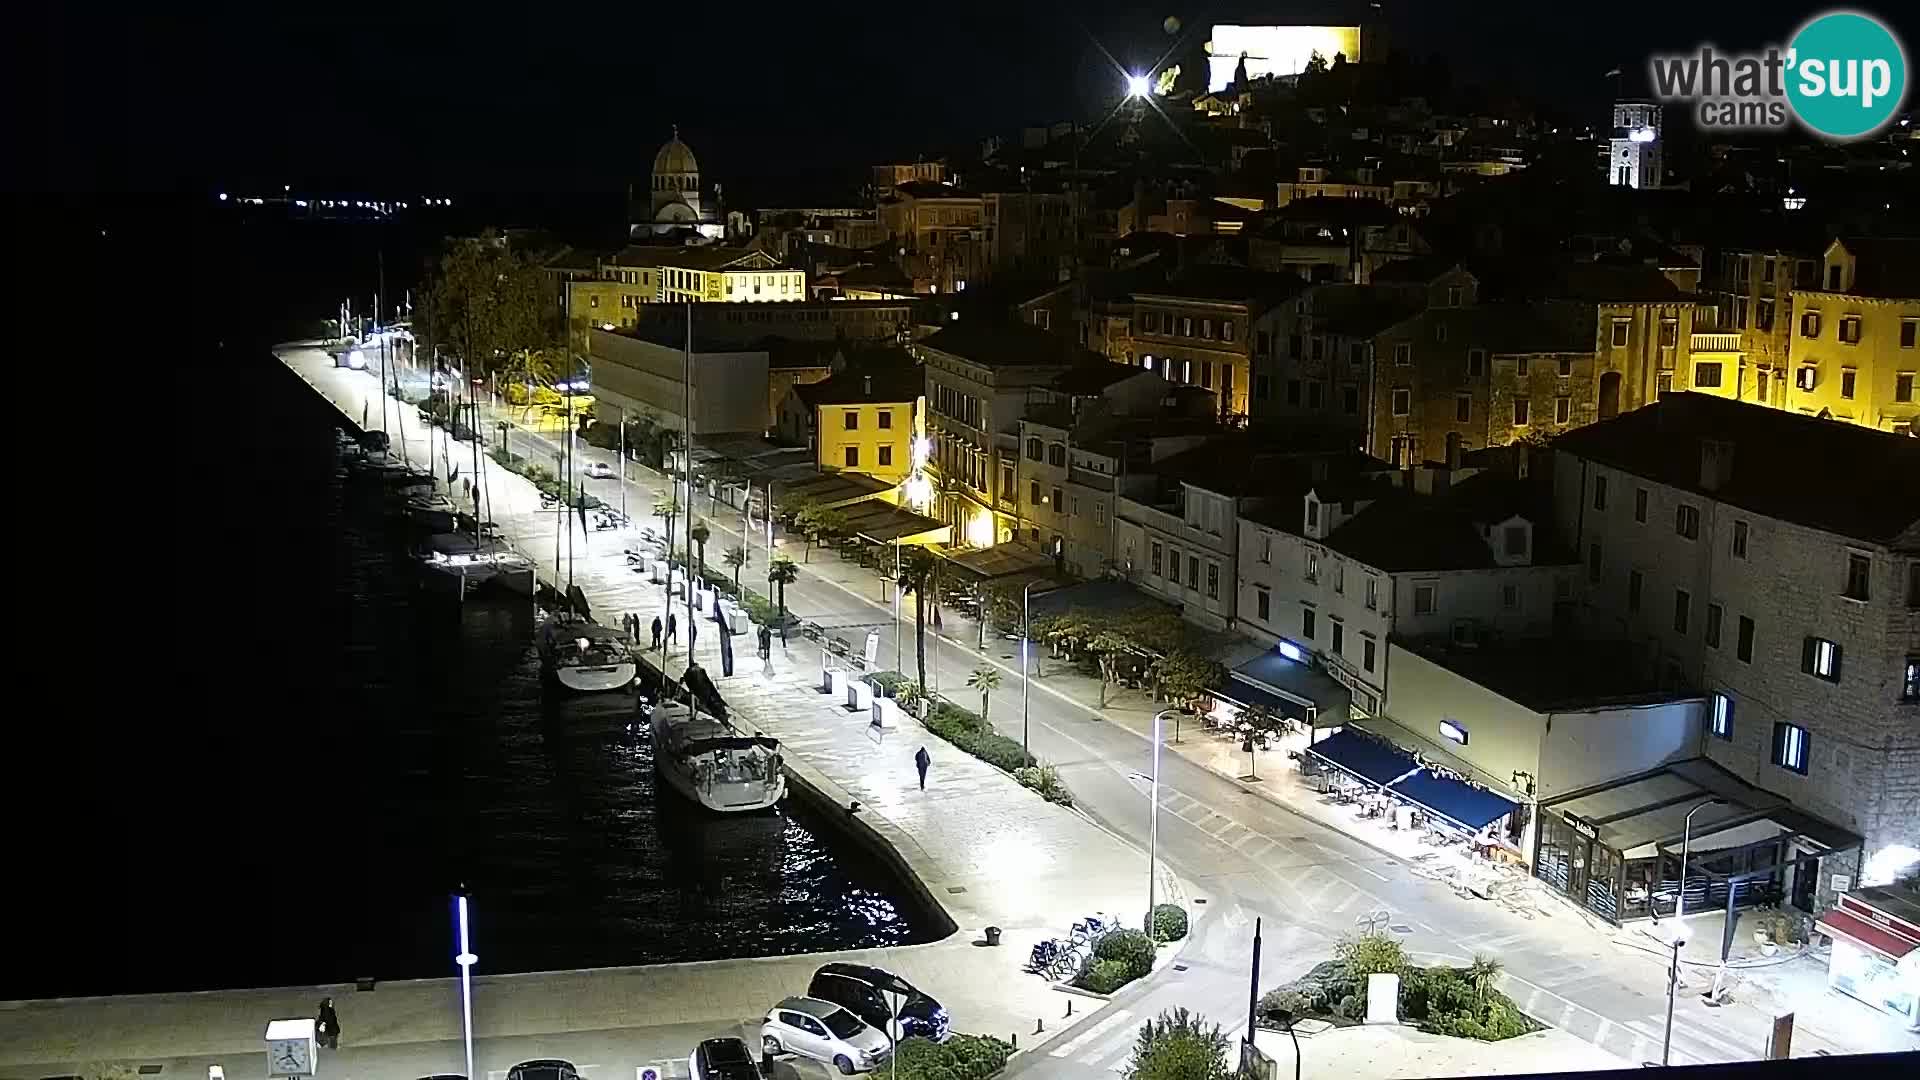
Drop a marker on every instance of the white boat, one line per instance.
(456, 565)
(584, 656)
(706, 760)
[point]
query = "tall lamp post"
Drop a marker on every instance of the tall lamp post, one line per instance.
(1673, 985)
(1026, 673)
(1680, 894)
(1153, 829)
(466, 959)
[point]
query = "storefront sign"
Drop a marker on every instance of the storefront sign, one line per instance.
(1585, 829)
(1842, 882)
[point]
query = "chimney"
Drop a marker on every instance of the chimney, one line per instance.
(1716, 464)
(1456, 453)
(866, 385)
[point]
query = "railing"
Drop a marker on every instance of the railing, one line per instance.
(1716, 342)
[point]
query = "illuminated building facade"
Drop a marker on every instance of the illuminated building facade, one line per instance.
(863, 418)
(1634, 152)
(939, 232)
(1196, 330)
(675, 199)
(1276, 50)
(1855, 352)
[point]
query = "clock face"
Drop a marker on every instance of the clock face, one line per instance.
(289, 1057)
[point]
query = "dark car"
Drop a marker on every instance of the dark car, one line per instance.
(723, 1059)
(866, 992)
(544, 1069)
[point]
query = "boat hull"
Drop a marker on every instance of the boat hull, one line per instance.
(594, 679)
(719, 797)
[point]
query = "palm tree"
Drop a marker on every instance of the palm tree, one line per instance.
(735, 557)
(782, 572)
(919, 569)
(1482, 973)
(666, 507)
(699, 534)
(986, 680)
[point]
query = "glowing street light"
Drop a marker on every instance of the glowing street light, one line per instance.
(1137, 86)
(466, 959)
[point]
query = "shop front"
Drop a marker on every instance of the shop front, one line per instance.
(1876, 950)
(1615, 848)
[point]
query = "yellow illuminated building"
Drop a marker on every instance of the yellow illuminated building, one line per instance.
(607, 305)
(1855, 345)
(862, 418)
(1276, 50)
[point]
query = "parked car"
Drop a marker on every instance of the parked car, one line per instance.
(823, 1031)
(724, 1059)
(599, 470)
(868, 993)
(544, 1069)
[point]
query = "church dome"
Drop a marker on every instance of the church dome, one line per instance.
(675, 159)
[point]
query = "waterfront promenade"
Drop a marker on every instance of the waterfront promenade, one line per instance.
(984, 850)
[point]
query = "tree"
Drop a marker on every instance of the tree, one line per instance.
(1263, 724)
(1178, 1045)
(666, 507)
(1109, 645)
(1483, 973)
(782, 572)
(986, 680)
(490, 304)
(735, 557)
(919, 574)
(699, 533)
(1186, 677)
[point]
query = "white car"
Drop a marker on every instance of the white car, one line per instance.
(823, 1031)
(599, 470)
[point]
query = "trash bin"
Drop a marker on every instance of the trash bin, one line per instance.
(993, 935)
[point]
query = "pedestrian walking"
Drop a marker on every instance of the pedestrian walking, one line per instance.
(921, 761)
(936, 618)
(673, 629)
(766, 643)
(328, 1025)
(693, 632)
(656, 631)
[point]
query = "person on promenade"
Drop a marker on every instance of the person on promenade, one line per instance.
(328, 1023)
(656, 631)
(922, 761)
(693, 631)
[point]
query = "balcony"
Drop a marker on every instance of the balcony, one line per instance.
(1716, 342)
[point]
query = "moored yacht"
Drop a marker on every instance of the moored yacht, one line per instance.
(583, 656)
(708, 761)
(457, 565)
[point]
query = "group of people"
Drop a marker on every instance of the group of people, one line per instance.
(670, 629)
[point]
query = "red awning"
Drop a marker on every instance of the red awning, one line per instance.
(1865, 934)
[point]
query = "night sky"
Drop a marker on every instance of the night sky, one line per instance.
(575, 96)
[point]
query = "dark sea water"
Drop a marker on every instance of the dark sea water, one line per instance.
(303, 758)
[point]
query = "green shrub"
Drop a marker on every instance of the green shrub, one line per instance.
(1350, 1008)
(1169, 922)
(1131, 947)
(963, 1057)
(1104, 977)
(1045, 779)
(1371, 954)
(1178, 1045)
(1284, 999)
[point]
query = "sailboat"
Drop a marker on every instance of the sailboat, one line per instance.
(577, 653)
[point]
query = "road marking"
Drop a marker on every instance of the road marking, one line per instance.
(1092, 1033)
(1237, 845)
(1365, 870)
(1600, 1033)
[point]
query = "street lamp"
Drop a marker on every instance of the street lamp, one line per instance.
(1286, 1018)
(1686, 844)
(1026, 675)
(1153, 829)
(1137, 86)
(1673, 985)
(466, 959)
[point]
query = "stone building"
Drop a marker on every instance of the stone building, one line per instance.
(1771, 561)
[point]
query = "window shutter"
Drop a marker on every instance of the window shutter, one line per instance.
(1806, 655)
(1836, 662)
(1779, 743)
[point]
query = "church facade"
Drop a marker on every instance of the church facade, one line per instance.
(675, 200)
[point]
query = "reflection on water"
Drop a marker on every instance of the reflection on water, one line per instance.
(353, 751)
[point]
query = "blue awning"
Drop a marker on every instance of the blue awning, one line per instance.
(1461, 803)
(1244, 693)
(1273, 671)
(1368, 759)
